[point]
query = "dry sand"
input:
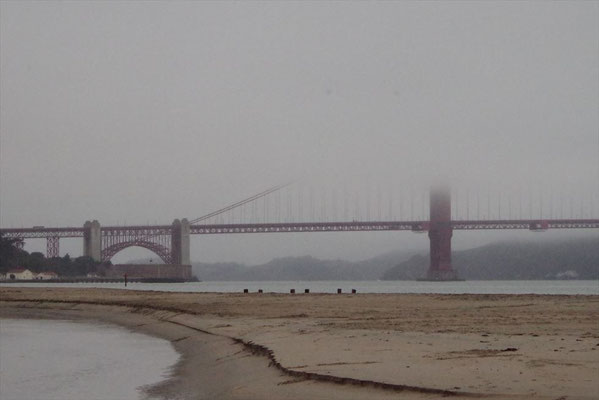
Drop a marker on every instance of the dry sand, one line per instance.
(316, 346)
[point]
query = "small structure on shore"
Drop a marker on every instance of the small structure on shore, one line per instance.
(23, 274)
(46, 275)
(20, 274)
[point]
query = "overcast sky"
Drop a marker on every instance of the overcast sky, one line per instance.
(136, 112)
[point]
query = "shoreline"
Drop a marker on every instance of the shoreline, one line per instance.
(272, 350)
(193, 344)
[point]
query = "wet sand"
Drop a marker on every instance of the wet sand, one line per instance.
(317, 346)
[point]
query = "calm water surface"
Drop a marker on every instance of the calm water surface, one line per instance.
(587, 287)
(63, 360)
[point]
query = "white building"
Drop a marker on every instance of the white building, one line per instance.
(42, 276)
(19, 274)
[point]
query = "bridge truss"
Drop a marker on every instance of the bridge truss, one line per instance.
(112, 235)
(157, 238)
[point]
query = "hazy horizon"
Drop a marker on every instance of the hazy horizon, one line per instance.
(143, 112)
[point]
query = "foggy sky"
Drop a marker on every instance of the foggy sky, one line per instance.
(137, 112)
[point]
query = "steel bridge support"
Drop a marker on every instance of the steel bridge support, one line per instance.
(92, 240)
(52, 247)
(440, 232)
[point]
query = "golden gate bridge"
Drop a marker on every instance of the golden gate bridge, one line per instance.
(255, 214)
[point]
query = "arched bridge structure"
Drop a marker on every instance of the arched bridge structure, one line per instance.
(159, 249)
(169, 242)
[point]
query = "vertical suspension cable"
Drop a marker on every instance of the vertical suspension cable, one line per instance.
(323, 202)
(468, 204)
(401, 205)
(291, 207)
(499, 205)
(477, 204)
(455, 206)
(530, 215)
(411, 203)
(390, 213)
(266, 208)
(540, 203)
(520, 203)
(300, 204)
(311, 200)
(423, 218)
(378, 200)
(368, 204)
(550, 203)
(279, 207)
(334, 204)
(345, 216)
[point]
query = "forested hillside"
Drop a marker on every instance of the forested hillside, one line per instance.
(559, 259)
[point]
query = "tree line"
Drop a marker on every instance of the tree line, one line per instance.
(12, 256)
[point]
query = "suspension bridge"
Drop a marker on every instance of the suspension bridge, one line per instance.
(299, 213)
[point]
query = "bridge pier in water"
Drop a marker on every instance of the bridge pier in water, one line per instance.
(440, 232)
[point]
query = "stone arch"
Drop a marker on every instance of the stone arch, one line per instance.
(161, 251)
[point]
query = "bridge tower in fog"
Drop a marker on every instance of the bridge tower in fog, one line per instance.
(439, 233)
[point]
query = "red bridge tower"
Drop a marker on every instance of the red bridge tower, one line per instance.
(439, 233)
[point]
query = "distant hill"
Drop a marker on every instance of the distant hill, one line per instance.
(558, 259)
(301, 268)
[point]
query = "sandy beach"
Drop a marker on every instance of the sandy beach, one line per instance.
(328, 346)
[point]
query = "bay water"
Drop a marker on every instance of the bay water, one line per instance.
(64, 360)
(550, 287)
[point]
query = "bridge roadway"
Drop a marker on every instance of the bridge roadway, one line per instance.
(171, 242)
(354, 226)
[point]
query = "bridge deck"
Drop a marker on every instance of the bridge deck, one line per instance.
(416, 226)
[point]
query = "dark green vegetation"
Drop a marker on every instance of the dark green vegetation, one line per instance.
(558, 259)
(13, 256)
